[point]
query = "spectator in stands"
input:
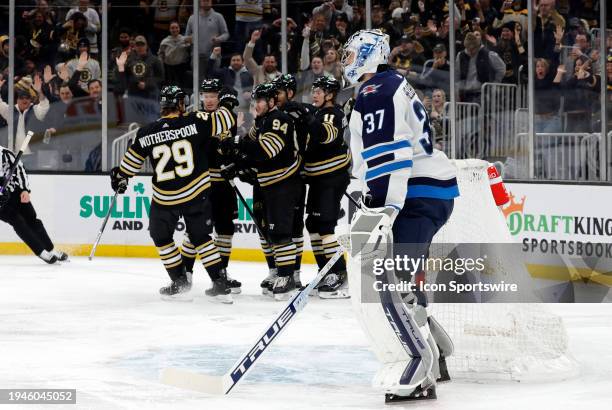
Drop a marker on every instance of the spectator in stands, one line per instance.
(40, 39)
(609, 90)
(547, 21)
(475, 66)
(174, 54)
(265, 72)
(437, 115)
(331, 64)
(27, 116)
(547, 98)
(331, 9)
(307, 77)
(314, 33)
(407, 57)
(212, 31)
(235, 76)
(41, 7)
(249, 17)
(164, 13)
(88, 68)
(92, 27)
(513, 11)
(583, 92)
(341, 30)
(4, 53)
(124, 45)
(141, 73)
(510, 48)
(56, 116)
(582, 47)
(69, 34)
(436, 71)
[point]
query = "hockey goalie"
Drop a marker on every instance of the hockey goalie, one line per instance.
(408, 189)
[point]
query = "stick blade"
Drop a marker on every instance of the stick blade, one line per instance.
(189, 380)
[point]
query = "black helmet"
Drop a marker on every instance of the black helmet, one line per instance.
(286, 82)
(264, 90)
(171, 96)
(211, 85)
(327, 84)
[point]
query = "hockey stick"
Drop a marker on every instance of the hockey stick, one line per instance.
(244, 202)
(186, 379)
(9, 176)
(95, 245)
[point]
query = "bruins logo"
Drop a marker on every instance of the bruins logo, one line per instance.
(85, 76)
(139, 69)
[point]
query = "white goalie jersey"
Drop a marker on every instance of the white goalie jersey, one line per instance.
(391, 145)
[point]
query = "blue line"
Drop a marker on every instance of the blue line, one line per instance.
(372, 152)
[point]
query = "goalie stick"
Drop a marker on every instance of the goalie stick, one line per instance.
(9, 175)
(224, 384)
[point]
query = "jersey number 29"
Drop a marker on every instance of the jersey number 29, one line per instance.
(181, 152)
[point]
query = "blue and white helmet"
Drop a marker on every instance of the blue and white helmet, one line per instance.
(363, 53)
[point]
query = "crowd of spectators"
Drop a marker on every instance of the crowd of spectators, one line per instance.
(58, 54)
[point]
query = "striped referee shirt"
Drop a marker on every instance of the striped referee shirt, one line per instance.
(19, 182)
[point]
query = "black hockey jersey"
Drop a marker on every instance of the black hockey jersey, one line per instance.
(327, 152)
(273, 148)
(178, 146)
(19, 181)
(216, 160)
(302, 131)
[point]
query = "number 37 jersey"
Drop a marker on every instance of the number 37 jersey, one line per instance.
(391, 145)
(178, 146)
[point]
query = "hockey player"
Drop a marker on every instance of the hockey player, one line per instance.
(177, 145)
(272, 148)
(411, 189)
(326, 166)
(222, 196)
(286, 85)
(17, 210)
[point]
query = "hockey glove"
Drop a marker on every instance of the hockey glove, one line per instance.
(348, 108)
(295, 110)
(228, 99)
(119, 182)
(5, 197)
(229, 147)
(228, 172)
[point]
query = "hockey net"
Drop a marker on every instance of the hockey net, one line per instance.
(495, 341)
(503, 341)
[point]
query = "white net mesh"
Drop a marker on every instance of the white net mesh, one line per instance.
(520, 341)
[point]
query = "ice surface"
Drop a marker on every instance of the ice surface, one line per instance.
(101, 328)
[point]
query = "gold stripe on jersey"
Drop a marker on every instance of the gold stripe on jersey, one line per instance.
(253, 133)
(247, 13)
(203, 175)
(131, 163)
(215, 175)
(271, 143)
(185, 194)
(170, 255)
(312, 169)
(269, 178)
(332, 132)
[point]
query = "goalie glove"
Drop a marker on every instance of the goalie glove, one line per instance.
(119, 182)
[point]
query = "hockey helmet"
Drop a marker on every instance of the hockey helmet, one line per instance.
(363, 53)
(171, 96)
(211, 85)
(286, 82)
(264, 90)
(327, 84)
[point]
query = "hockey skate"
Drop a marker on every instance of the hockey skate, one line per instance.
(297, 280)
(220, 290)
(48, 257)
(284, 286)
(61, 256)
(420, 393)
(334, 286)
(268, 283)
(178, 290)
(234, 285)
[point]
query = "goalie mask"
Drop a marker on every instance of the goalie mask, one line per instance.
(363, 53)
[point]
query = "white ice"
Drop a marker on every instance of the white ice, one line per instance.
(100, 327)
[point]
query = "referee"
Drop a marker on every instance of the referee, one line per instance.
(16, 209)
